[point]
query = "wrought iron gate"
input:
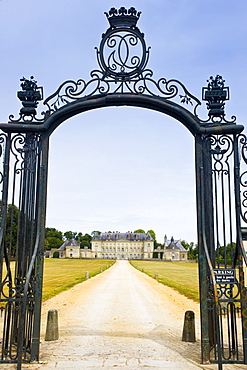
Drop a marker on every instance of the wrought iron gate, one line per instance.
(222, 256)
(220, 148)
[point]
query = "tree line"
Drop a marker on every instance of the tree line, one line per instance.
(55, 238)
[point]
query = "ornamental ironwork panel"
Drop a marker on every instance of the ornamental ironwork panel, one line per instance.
(19, 233)
(223, 249)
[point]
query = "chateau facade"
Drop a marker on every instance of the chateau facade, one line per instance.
(118, 245)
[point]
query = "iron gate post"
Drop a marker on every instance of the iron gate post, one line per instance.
(42, 200)
(203, 284)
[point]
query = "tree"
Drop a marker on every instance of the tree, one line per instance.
(191, 248)
(87, 237)
(96, 232)
(12, 227)
(78, 236)
(69, 234)
(140, 231)
(53, 238)
(225, 255)
(85, 243)
(152, 233)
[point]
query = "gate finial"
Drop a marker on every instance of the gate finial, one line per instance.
(30, 95)
(215, 94)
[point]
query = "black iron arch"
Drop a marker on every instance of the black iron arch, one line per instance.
(190, 121)
(124, 80)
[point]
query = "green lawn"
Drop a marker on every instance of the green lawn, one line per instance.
(62, 274)
(181, 276)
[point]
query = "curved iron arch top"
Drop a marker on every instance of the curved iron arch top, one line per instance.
(122, 57)
(170, 108)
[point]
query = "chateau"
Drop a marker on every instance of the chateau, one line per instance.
(116, 245)
(109, 245)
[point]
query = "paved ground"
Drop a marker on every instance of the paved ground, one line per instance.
(120, 319)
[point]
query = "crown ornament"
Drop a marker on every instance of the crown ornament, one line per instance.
(123, 17)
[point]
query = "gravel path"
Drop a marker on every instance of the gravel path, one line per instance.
(120, 318)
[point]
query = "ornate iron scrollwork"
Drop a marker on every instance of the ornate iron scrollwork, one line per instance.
(122, 53)
(243, 177)
(122, 57)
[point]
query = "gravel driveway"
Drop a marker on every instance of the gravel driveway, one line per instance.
(120, 319)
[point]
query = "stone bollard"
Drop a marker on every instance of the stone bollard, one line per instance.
(52, 325)
(189, 327)
(87, 275)
(156, 276)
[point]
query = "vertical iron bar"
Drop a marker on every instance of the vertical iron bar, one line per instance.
(243, 294)
(202, 263)
(4, 204)
(223, 214)
(6, 332)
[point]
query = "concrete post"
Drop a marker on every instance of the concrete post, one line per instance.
(189, 327)
(87, 275)
(52, 325)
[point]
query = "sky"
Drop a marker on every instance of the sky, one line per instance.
(123, 168)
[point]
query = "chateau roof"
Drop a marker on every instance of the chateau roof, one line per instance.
(127, 236)
(175, 244)
(68, 243)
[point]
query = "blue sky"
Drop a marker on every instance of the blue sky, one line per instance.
(123, 168)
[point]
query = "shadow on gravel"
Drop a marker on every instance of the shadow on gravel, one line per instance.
(161, 334)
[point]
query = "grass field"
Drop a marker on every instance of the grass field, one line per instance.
(62, 274)
(181, 276)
